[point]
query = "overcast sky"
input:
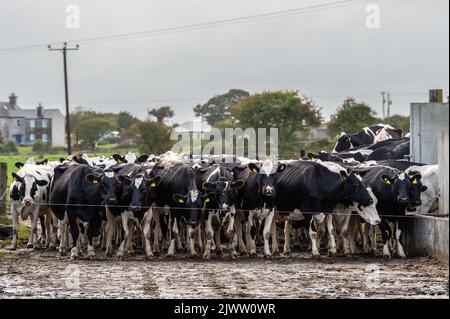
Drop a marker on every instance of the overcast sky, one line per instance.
(326, 54)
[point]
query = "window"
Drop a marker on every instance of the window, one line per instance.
(44, 123)
(18, 123)
(45, 138)
(32, 123)
(32, 137)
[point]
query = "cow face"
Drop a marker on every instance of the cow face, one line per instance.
(344, 143)
(401, 185)
(27, 188)
(355, 190)
(224, 192)
(369, 213)
(267, 175)
(416, 188)
(139, 190)
(193, 201)
(108, 186)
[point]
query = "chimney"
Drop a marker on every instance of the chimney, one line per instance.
(39, 110)
(13, 99)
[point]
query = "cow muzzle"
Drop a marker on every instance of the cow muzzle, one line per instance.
(111, 201)
(27, 201)
(269, 191)
(403, 200)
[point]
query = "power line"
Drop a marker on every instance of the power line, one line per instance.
(192, 27)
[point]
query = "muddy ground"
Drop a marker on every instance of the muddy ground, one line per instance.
(43, 274)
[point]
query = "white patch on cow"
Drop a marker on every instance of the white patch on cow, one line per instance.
(407, 135)
(369, 213)
(267, 167)
(386, 126)
(359, 178)
(130, 157)
(333, 167)
(194, 195)
(430, 179)
(109, 174)
(382, 135)
(401, 176)
(138, 181)
(214, 172)
(368, 131)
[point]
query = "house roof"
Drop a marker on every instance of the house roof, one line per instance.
(9, 110)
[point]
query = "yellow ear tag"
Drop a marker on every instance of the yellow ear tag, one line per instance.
(414, 182)
(254, 170)
(153, 184)
(387, 181)
(207, 200)
(95, 181)
(181, 201)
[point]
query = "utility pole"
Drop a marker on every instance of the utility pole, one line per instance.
(64, 50)
(389, 103)
(383, 95)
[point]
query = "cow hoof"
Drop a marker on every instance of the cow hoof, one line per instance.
(386, 256)
(244, 254)
(62, 253)
(91, 256)
(36, 246)
(219, 253)
(51, 247)
(119, 257)
(332, 254)
(149, 257)
(268, 257)
(171, 256)
(73, 256)
(287, 254)
(316, 256)
(234, 255)
(206, 256)
(130, 253)
(253, 255)
(275, 253)
(29, 245)
(12, 248)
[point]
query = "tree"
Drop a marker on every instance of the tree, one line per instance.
(218, 108)
(284, 110)
(154, 137)
(399, 121)
(162, 113)
(351, 117)
(93, 129)
(124, 120)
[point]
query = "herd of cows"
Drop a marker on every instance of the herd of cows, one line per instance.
(169, 203)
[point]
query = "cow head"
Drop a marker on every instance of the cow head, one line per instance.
(138, 191)
(355, 190)
(407, 188)
(369, 213)
(344, 143)
(224, 192)
(267, 175)
(108, 186)
(193, 201)
(27, 187)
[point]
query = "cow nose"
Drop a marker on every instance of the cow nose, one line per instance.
(403, 200)
(193, 223)
(418, 203)
(370, 202)
(27, 201)
(225, 207)
(134, 208)
(378, 221)
(111, 200)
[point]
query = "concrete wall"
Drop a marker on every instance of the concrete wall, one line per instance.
(426, 236)
(427, 121)
(443, 161)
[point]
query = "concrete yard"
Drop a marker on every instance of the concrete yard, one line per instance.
(42, 274)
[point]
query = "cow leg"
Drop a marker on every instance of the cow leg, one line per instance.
(209, 232)
(217, 242)
(345, 235)
(34, 242)
(54, 231)
(230, 234)
(15, 222)
(191, 235)
(91, 231)
(240, 241)
(266, 233)
(41, 237)
(287, 237)
(313, 234)
(74, 254)
(251, 234)
(365, 228)
(146, 226)
(125, 224)
(174, 235)
(398, 232)
(110, 230)
(129, 241)
(64, 236)
(373, 240)
(386, 236)
(274, 237)
(331, 241)
(157, 233)
(354, 228)
(48, 228)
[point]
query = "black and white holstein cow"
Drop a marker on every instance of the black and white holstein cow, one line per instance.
(29, 194)
(218, 181)
(316, 187)
(368, 135)
(79, 193)
(178, 190)
(138, 194)
(397, 193)
(257, 199)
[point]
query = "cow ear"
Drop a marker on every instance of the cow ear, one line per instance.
(415, 179)
(281, 168)
(387, 180)
(207, 198)
(253, 167)
(93, 179)
(344, 175)
(141, 159)
(179, 198)
(312, 156)
(41, 183)
(16, 177)
(208, 186)
(118, 158)
(238, 184)
(61, 159)
(153, 182)
(125, 180)
(423, 189)
(19, 165)
(43, 162)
